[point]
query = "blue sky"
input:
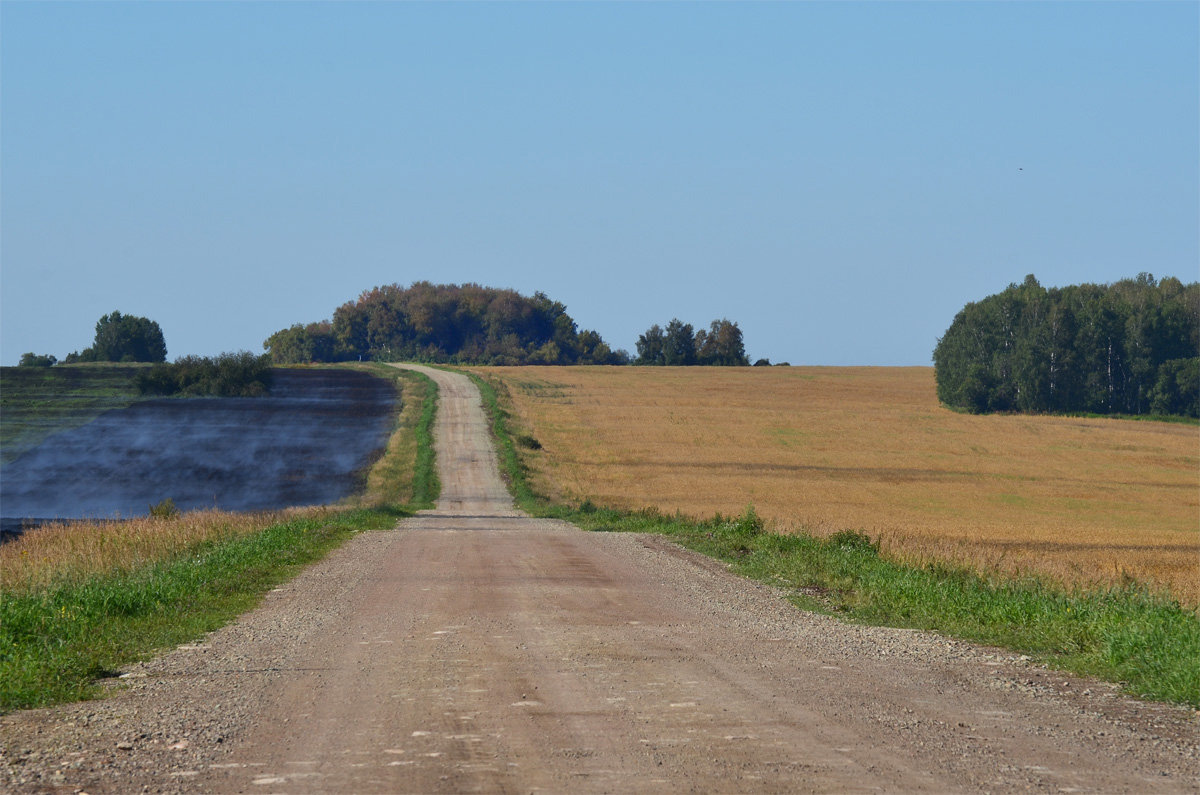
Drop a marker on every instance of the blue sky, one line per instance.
(838, 178)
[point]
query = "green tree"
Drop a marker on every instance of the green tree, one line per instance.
(721, 345)
(1125, 347)
(1177, 390)
(679, 344)
(451, 323)
(299, 344)
(650, 346)
(128, 338)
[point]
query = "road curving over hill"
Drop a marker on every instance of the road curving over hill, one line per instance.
(476, 649)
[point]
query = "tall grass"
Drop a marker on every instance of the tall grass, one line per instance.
(1126, 633)
(57, 640)
(407, 472)
(67, 552)
(80, 600)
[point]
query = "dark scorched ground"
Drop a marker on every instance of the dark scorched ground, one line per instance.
(305, 444)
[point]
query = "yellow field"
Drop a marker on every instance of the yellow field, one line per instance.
(1082, 500)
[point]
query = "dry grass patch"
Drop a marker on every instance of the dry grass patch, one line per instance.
(62, 553)
(1084, 501)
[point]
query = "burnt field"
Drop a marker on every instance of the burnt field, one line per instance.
(305, 444)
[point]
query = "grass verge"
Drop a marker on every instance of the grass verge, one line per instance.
(80, 602)
(56, 642)
(407, 472)
(1145, 641)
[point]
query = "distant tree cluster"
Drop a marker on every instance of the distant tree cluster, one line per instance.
(228, 375)
(1132, 347)
(37, 360)
(445, 323)
(123, 338)
(679, 345)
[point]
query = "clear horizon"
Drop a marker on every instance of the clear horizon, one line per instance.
(838, 178)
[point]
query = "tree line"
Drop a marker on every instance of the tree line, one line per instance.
(445, 323)
(1131, 347)
(470, 324)
(119, 338)
(680, 345)
(457, 324)
(129, 338)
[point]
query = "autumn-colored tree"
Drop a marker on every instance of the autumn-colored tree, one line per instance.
(451, 323)
(721, 345)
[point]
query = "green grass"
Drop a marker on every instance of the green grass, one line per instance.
(1143, 640)
(425, 484)
(511, 466)
(1179, 419)
(36, 402)
(409, 468)
(56, 643)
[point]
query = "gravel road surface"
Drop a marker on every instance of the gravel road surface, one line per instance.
(475, 649)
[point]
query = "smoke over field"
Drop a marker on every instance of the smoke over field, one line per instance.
(303, 445)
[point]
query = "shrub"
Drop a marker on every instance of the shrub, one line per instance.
(164, 510)
(35, 360)
(528, 442)
(748, 525)
(228, 375)
(853, 541)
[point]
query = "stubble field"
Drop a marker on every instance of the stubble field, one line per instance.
(1083, 501)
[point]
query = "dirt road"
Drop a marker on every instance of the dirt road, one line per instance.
(475, 649)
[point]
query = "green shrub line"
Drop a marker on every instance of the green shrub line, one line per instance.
(239, 374)
(1128, 634)
(58, 643)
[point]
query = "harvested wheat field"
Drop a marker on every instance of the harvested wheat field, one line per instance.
(1085, 501)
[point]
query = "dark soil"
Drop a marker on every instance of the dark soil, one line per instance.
(305, 444)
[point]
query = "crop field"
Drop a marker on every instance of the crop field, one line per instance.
(1083, 501)
(38, 401)
(307, 443)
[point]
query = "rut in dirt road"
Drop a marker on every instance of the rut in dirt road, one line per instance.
(475, 649)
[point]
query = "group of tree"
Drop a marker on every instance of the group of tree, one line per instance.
(32, 359)
(1132, 347)
(124, 338)
(119, 338)
(227, 375)
(680, 345)
(445, 323)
